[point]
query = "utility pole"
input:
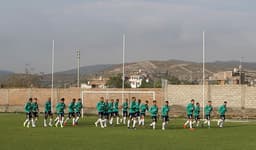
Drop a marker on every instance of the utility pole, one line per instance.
(78, 67)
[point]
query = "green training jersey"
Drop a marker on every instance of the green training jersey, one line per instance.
(35, 107)
(125, 106)
(197, 111)
(190, 108)
(165, 110)
(153, 110)
(143, 108)
(47, 106)
(78, 106)
(71, 107)
(28, 107)
(115, 107)
(137, 109)
(132, 107)
(105, 110)
(208, 110)
(222, 110)
(110, 107)
(60, 107)
(100, 106)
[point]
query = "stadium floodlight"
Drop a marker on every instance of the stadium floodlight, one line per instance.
(84, 93)
(53, 46)
(203, 71)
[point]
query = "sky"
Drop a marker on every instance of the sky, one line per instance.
(154, 29)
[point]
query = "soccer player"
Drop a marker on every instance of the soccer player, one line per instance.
(125, 110)
(35, 110)
(222, 111)
(197, 114)
(71, 112)
(110, 111)
(78, 108)
(137, 111)
(116, 111)
(143, 109)
(165, 114)
(60, 107)
(106, 113)
(100, 109)
(153, 112)
(189, 109)
(48, 112)
(28, 110)
(208, 110)
(132, 116)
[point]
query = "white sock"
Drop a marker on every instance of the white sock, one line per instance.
(163, 125)
(190, 125)
(139, 120)
(154, 125)
(50, 123)
(218, 123)
(77, 118)
(25, 122)
(124, 121)
(33, 122)
(56, 119)
(209, 123)
(117, 120)
(187, 122)
(111, 121)
(73, 121)
(28, 124)
(205, 122)
(45, 123)
(143, 122)
(194, 122)
(128, 123)
(61, 122)
(57, 122)
(134, 123)
(197, 124)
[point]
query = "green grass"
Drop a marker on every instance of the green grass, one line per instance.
(13, 136)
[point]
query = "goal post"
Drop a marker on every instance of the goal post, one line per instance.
(109, 94)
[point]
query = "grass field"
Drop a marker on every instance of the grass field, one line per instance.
(235, 136)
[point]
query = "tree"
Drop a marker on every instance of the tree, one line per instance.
(116, 82)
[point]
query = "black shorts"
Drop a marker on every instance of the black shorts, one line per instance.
(165, 118)
(71, 114)
(46, 114)
(197, 117)
(78, 114)
(125, 114)
(60, 114)
(143, 114)
(101, 115)
(106, 115)
(208, 117)
(137, 114)
(190, 116)
(154, 118)
(116, 114)
(29, 115)
(131, 115)
(35, 114)
(223, 117)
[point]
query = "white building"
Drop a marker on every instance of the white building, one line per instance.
(135, 81)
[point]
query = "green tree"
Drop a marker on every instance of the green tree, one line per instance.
(116, 82)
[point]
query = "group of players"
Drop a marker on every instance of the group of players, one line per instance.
(32, 111)
(108, 110)
(133, 113)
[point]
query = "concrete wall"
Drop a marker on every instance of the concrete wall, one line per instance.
(236, 95)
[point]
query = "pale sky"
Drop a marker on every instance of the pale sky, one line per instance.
(155, 30)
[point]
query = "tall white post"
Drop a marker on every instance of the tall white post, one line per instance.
(123, 77)
(203, 72)
(78, 67)
(52, 95)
